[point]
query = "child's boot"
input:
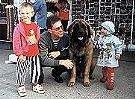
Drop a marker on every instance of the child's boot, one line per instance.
(110, 78)
(104, 78)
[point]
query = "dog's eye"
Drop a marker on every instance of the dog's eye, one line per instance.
(80, 38)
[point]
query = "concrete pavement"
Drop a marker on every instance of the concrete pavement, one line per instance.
(125, 83)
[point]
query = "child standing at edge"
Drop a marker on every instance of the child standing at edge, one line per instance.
(25, 45)
(110, 51)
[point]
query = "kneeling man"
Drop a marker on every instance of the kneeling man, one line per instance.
(54, 51)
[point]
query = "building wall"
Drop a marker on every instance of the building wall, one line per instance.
(98, 11)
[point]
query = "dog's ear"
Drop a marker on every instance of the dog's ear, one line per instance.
(89, 28)
(71, 26)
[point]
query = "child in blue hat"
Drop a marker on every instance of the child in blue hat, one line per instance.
(110, 50)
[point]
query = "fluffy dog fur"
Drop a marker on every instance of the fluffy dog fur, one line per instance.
(81, 51)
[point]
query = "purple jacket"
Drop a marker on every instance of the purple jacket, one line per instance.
(20, 46)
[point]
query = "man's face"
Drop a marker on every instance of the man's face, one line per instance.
(57, 30)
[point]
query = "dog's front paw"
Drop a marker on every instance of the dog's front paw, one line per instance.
(71, 82)
(86, 82)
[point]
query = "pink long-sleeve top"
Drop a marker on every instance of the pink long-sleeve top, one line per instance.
(21, 45)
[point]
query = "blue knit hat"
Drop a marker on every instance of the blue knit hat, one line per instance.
(109, 26)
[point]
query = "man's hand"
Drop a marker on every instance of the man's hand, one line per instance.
(54, 54)
(67, 63)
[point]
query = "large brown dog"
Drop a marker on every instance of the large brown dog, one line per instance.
(81, 51)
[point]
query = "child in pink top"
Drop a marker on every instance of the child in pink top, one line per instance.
(25, 45)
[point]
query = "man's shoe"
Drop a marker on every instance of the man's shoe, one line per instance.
(58, 79)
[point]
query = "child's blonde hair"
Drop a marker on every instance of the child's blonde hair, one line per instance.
(25, 5)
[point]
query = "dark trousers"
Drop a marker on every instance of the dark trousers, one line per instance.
(58, 70)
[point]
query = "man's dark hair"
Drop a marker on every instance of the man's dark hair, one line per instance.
(51, 20)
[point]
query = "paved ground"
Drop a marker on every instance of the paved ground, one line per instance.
(125, 83)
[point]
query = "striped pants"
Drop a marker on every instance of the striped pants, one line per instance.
(32, 64)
